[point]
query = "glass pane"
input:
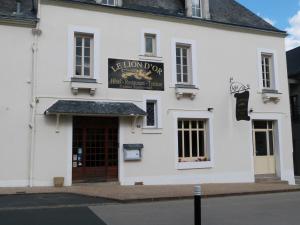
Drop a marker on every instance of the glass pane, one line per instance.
(271, 142)
(196, 3)
(149, 44)
(184, 52)
(180, 144)
(179, 69)
(186, 124)
(87, 42)
(78, 60)
(261, 143)
(201, 143)
(270, 124)
(179, 78)
(79, 51)
(187, 144)
(194, 144)
(86, 71)
(87, 52)
(78, 70)
(260, 124)
(185, 78)
(178, 52)
(86, 61)
(201, 124)
(150, 113)
(178, 60)
(78, 41)
(185, 69)
(180, 124)
(194, 124)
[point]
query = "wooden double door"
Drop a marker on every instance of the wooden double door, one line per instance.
(95, 149)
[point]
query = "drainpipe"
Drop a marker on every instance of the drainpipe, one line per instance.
(36, 32)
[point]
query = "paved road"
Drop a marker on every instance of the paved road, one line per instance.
(64, 209)
(273, 209)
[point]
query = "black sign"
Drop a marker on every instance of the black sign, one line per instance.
(242, 100)
(132, 74)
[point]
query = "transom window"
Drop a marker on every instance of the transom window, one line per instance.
(263, 135)
(150, 44)
(109, 2)
(267, 71)
(83, 55)
(196, 8)
(151, 108)
(192, 146)
(183, 64)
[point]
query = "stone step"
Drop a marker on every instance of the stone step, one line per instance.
(297, 179)
(269, 179)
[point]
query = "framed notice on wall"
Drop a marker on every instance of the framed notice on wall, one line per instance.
(132, 74)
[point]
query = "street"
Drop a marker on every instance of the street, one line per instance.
(269, 209)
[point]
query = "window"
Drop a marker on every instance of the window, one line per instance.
(267, 71)
(150, 44)
(151, 108)
(109, 2)
(196, 8)
(263, 138)
(192, 138)
(183, 64)
(294, 108)
(84, 46)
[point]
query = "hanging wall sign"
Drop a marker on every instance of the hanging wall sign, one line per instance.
(132, 74)
(242, 100)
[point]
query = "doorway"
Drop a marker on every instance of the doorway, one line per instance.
(95, 149)
(263, 143)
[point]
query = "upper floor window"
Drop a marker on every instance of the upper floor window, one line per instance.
(150, 44)
(196, 8)
(183, 64)
(109, 2)
(267, 71)
(83, 55)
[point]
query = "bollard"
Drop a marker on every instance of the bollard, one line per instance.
(197, 205)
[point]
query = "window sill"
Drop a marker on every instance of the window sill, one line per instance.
(146, 130)
(83, 84)
(194, 165)
(182, 90)
(151, 58)
(269, 95)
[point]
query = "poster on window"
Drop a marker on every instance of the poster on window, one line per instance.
(242, 100)
(132, 74)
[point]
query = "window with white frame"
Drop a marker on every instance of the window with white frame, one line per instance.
(151, 109)
(192, 140)
(263, 135)
(150, 44)
(196, 8)
(84, 52)
(183, 64)
(109, 2)
(267, 64)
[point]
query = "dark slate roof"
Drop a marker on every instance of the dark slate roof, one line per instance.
(95, 108)
(8, 10)
(222, 11)
(293, 62)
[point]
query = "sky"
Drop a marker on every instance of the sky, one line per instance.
(283, 14)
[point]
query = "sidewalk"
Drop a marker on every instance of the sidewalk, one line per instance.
(153, 193)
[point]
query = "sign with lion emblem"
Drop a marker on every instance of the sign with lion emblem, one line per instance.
(132, 74)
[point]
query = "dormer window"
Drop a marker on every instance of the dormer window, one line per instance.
(109, 2)
(196, 8)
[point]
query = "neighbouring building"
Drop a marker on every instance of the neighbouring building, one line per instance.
(141, 92)
(293, 65)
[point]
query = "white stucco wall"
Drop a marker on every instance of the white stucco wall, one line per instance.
(220, 54)
(16, 69)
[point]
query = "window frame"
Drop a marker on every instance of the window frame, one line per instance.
(91, 56)
(157, 51)
(155, 113)
(153, 40)
(274, 86)
(195, 115)
(196, 8)
(72, 30)
(188, 65)
(158, 113)
(193, 61)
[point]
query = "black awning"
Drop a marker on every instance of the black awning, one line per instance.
(66, 107)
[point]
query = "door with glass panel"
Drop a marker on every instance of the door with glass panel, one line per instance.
(263, 143)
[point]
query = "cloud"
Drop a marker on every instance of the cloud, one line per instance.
(270, 21)
(293, 40)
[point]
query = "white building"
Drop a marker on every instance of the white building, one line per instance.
(89, 84)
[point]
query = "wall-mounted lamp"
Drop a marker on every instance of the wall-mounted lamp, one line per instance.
(210, 109)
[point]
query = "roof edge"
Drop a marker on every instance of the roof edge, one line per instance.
(269, 31)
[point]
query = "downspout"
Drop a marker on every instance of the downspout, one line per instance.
(36, 32)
